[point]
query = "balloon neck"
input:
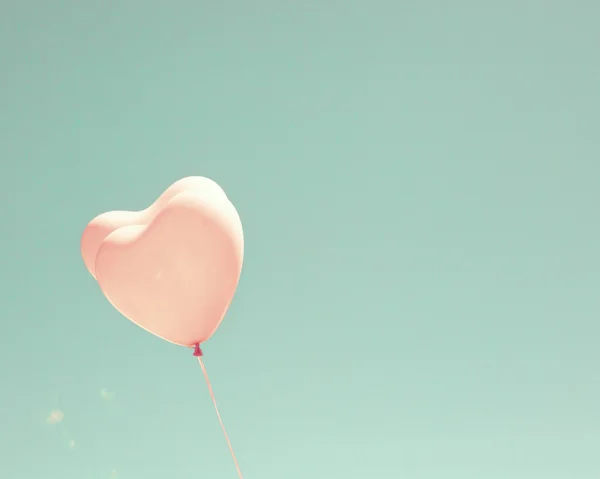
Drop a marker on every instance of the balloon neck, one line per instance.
(197, 351)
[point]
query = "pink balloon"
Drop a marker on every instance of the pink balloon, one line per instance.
(172, 268)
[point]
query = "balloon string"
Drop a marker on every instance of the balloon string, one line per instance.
(212, 396)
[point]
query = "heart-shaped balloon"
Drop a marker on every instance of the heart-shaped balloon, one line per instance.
(172, 268)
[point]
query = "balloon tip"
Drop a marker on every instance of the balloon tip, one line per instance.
(197, 351)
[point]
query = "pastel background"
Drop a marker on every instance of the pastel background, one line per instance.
(419, 185)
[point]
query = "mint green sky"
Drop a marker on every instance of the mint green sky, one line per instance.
(419, 186)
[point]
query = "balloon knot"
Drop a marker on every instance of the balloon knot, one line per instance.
(197, 351)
